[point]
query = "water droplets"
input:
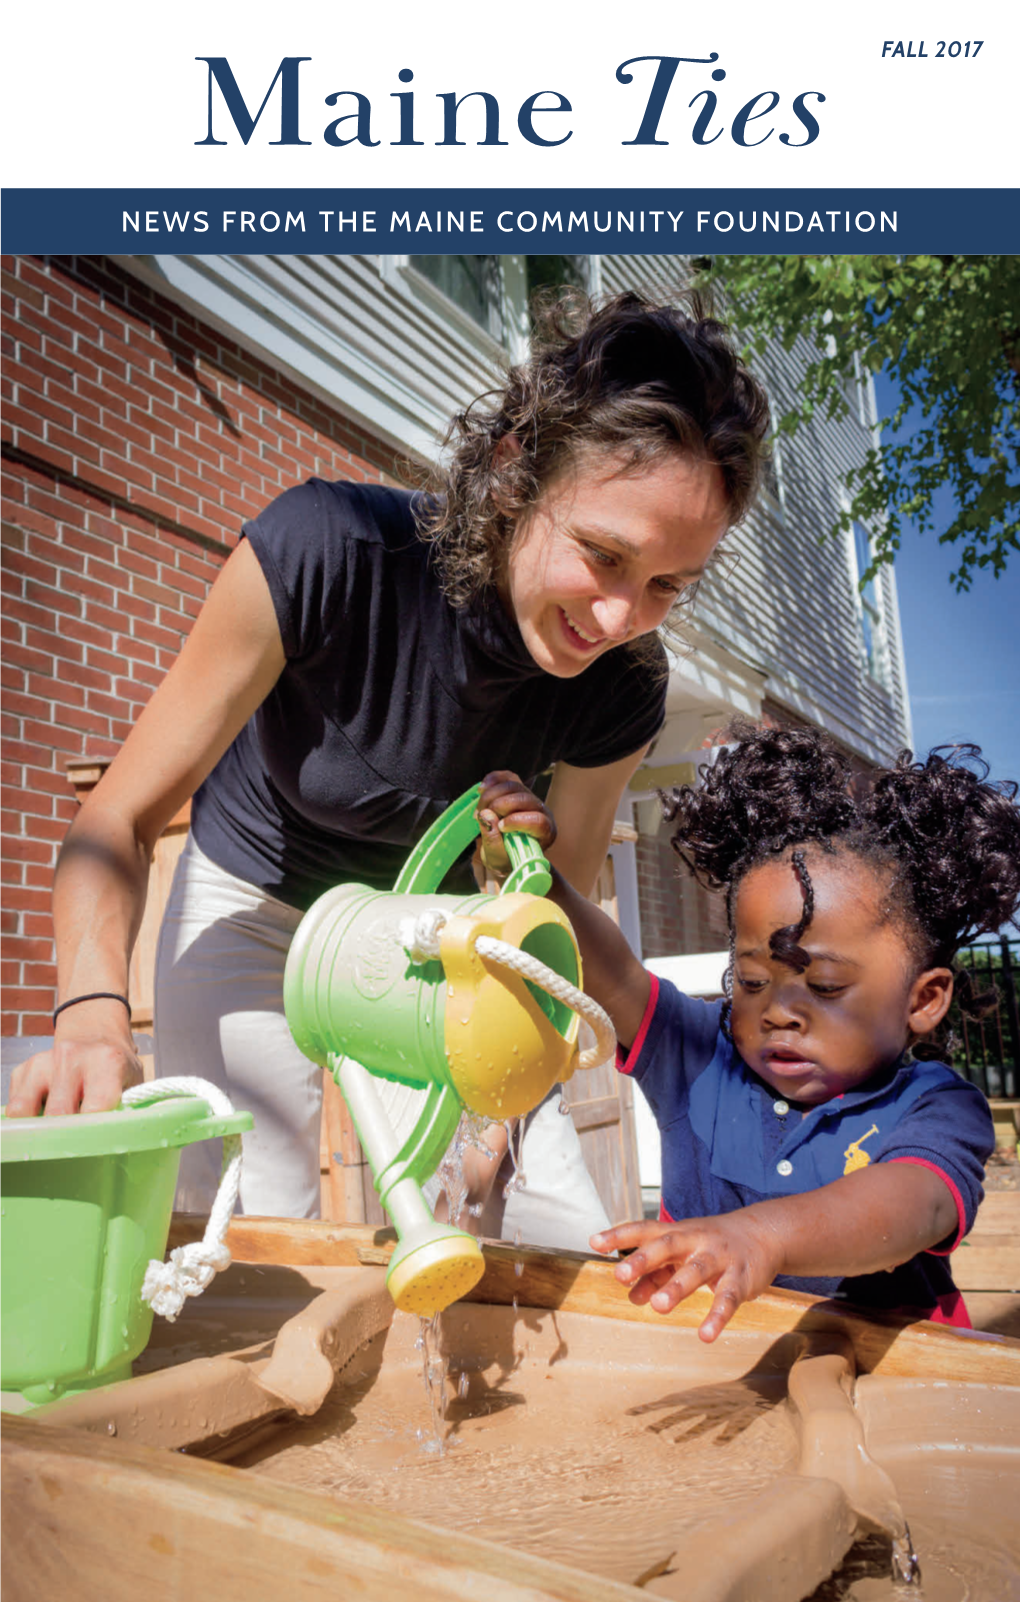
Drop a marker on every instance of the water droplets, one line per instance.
(515, 1139)
(518, 1264)
(906, 1567)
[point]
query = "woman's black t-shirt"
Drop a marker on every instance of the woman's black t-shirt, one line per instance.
(392, 701)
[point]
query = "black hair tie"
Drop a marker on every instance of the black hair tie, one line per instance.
(93, 995)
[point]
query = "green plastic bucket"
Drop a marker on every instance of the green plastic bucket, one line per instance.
(86, 1203)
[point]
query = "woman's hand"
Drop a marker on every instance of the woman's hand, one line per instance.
(736, 1255)
(504, 805)
(89, 1065)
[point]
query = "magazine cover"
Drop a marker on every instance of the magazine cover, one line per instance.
(426, 428)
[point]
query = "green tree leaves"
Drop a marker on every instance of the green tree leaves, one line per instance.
(947, 331)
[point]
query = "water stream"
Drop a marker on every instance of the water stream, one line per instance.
(432, 1440)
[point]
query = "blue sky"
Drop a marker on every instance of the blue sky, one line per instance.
(962, 651)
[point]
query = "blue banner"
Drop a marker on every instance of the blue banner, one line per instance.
(507, 221)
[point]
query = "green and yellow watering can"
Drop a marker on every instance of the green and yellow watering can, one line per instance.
(463, 1001)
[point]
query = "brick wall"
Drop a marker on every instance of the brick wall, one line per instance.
(135, 441)
(678, 916)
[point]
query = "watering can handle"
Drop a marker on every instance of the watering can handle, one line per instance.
(529, 870)
(452, 833)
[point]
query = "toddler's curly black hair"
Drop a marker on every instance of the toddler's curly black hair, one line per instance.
(944, 838)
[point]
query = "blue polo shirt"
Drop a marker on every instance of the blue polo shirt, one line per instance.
(728, 1140)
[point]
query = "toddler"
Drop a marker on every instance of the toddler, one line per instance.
(805, 1143)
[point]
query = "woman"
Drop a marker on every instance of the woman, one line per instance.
(365, 655)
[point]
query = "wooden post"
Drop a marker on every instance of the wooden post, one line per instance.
(601, 1101)
(348, 1189)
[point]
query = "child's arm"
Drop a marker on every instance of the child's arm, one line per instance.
(613, 976)
(868, 1221)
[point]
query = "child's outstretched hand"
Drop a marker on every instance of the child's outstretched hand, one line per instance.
(506, 804)
(737, 1255)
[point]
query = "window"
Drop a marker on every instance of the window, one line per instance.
(771, 480)
(869, 608)
(473, 283)
(493, 291)
(771, 497)
(551, 272)
(859, 394)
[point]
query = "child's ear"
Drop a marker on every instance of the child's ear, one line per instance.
(930, 995)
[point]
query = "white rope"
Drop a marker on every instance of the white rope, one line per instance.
(420, 939)
(554, 984)
(189, 1269)
(420, 936)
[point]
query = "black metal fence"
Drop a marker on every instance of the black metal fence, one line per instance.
(987, 1050)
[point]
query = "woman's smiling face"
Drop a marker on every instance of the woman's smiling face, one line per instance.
(605, 552)
(854, 1009)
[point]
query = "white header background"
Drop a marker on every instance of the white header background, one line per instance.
(112, 95)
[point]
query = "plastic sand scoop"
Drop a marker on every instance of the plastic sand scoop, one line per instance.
(431, 1004)
(86, 1212)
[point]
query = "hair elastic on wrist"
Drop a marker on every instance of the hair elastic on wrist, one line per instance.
(93, 995)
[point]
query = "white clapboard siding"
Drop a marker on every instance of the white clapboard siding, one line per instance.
(386, 349)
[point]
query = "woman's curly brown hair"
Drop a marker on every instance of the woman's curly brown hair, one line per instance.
(944, 837)
(631, 377)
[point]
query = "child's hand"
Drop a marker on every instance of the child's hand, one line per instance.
(737, 1255)
(507, 804)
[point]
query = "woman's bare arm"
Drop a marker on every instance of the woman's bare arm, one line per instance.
(226, 668)
(584, 802)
